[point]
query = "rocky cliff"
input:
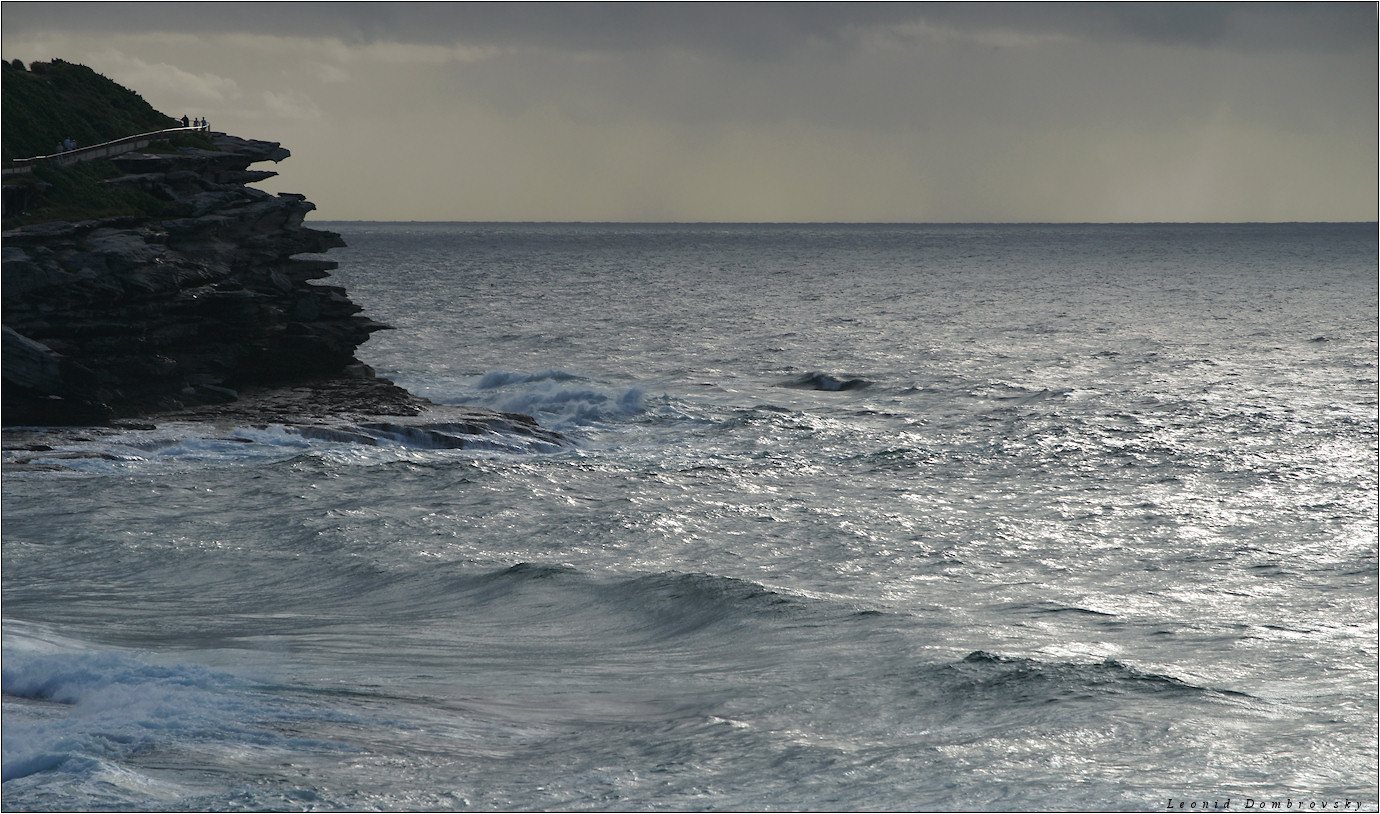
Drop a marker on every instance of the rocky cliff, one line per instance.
(129, 316)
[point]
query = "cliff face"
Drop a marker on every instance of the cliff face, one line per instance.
(126, 316)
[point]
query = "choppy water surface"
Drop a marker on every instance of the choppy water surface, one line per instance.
(852, 517)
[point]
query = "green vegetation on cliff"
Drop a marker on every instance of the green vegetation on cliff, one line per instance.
(52, 101)
(47, 102)
(77, 193)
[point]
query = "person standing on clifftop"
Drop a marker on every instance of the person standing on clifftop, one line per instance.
(185, 123)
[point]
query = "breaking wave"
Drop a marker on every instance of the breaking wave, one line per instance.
(562, 401)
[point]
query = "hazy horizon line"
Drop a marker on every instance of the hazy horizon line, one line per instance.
(865, 223)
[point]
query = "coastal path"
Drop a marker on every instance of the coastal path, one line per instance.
(23, 166)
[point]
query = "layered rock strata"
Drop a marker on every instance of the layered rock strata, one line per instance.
(132, 316)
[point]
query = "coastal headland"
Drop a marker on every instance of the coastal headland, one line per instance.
(189, 295)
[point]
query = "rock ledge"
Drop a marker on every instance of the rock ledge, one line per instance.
(135, 316)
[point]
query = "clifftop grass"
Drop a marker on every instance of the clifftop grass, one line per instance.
(47, 102)
(50, 101)
(78, 193)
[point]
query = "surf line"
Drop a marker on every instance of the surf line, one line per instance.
(1287, 804)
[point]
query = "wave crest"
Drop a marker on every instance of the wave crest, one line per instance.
(558, 399)
(1032, 680)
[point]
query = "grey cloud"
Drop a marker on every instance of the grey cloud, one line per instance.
(1239, 26)
(744, 30)
(834, 111)
(1234, 26)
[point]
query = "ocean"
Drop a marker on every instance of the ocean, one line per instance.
(847, 517)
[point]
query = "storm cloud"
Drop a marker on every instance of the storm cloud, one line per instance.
(771, 112)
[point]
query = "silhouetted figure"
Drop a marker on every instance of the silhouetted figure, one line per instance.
(185, 123)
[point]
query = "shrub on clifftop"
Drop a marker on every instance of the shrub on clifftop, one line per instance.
(52, 101)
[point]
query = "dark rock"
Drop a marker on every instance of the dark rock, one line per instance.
(823, 381)
(211, 394)
(124, 316)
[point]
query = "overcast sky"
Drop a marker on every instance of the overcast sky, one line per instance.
(745, 112)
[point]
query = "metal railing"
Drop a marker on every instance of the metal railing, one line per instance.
(127, 144)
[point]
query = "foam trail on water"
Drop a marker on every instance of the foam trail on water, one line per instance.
(502, 378)
(557, 399)
(78, 716)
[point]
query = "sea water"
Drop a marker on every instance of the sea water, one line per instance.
(847, 517)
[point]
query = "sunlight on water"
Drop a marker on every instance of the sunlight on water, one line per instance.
(997, 518)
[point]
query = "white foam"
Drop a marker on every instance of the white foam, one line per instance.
(502, 378)
(190, 446)
(557, 399)
(106, 452)
(76, 713)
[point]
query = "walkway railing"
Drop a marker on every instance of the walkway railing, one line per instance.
(128, 144)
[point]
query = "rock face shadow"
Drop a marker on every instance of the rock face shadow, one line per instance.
(135, 315)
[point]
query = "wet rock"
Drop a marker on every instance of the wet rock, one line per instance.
(823, 381)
